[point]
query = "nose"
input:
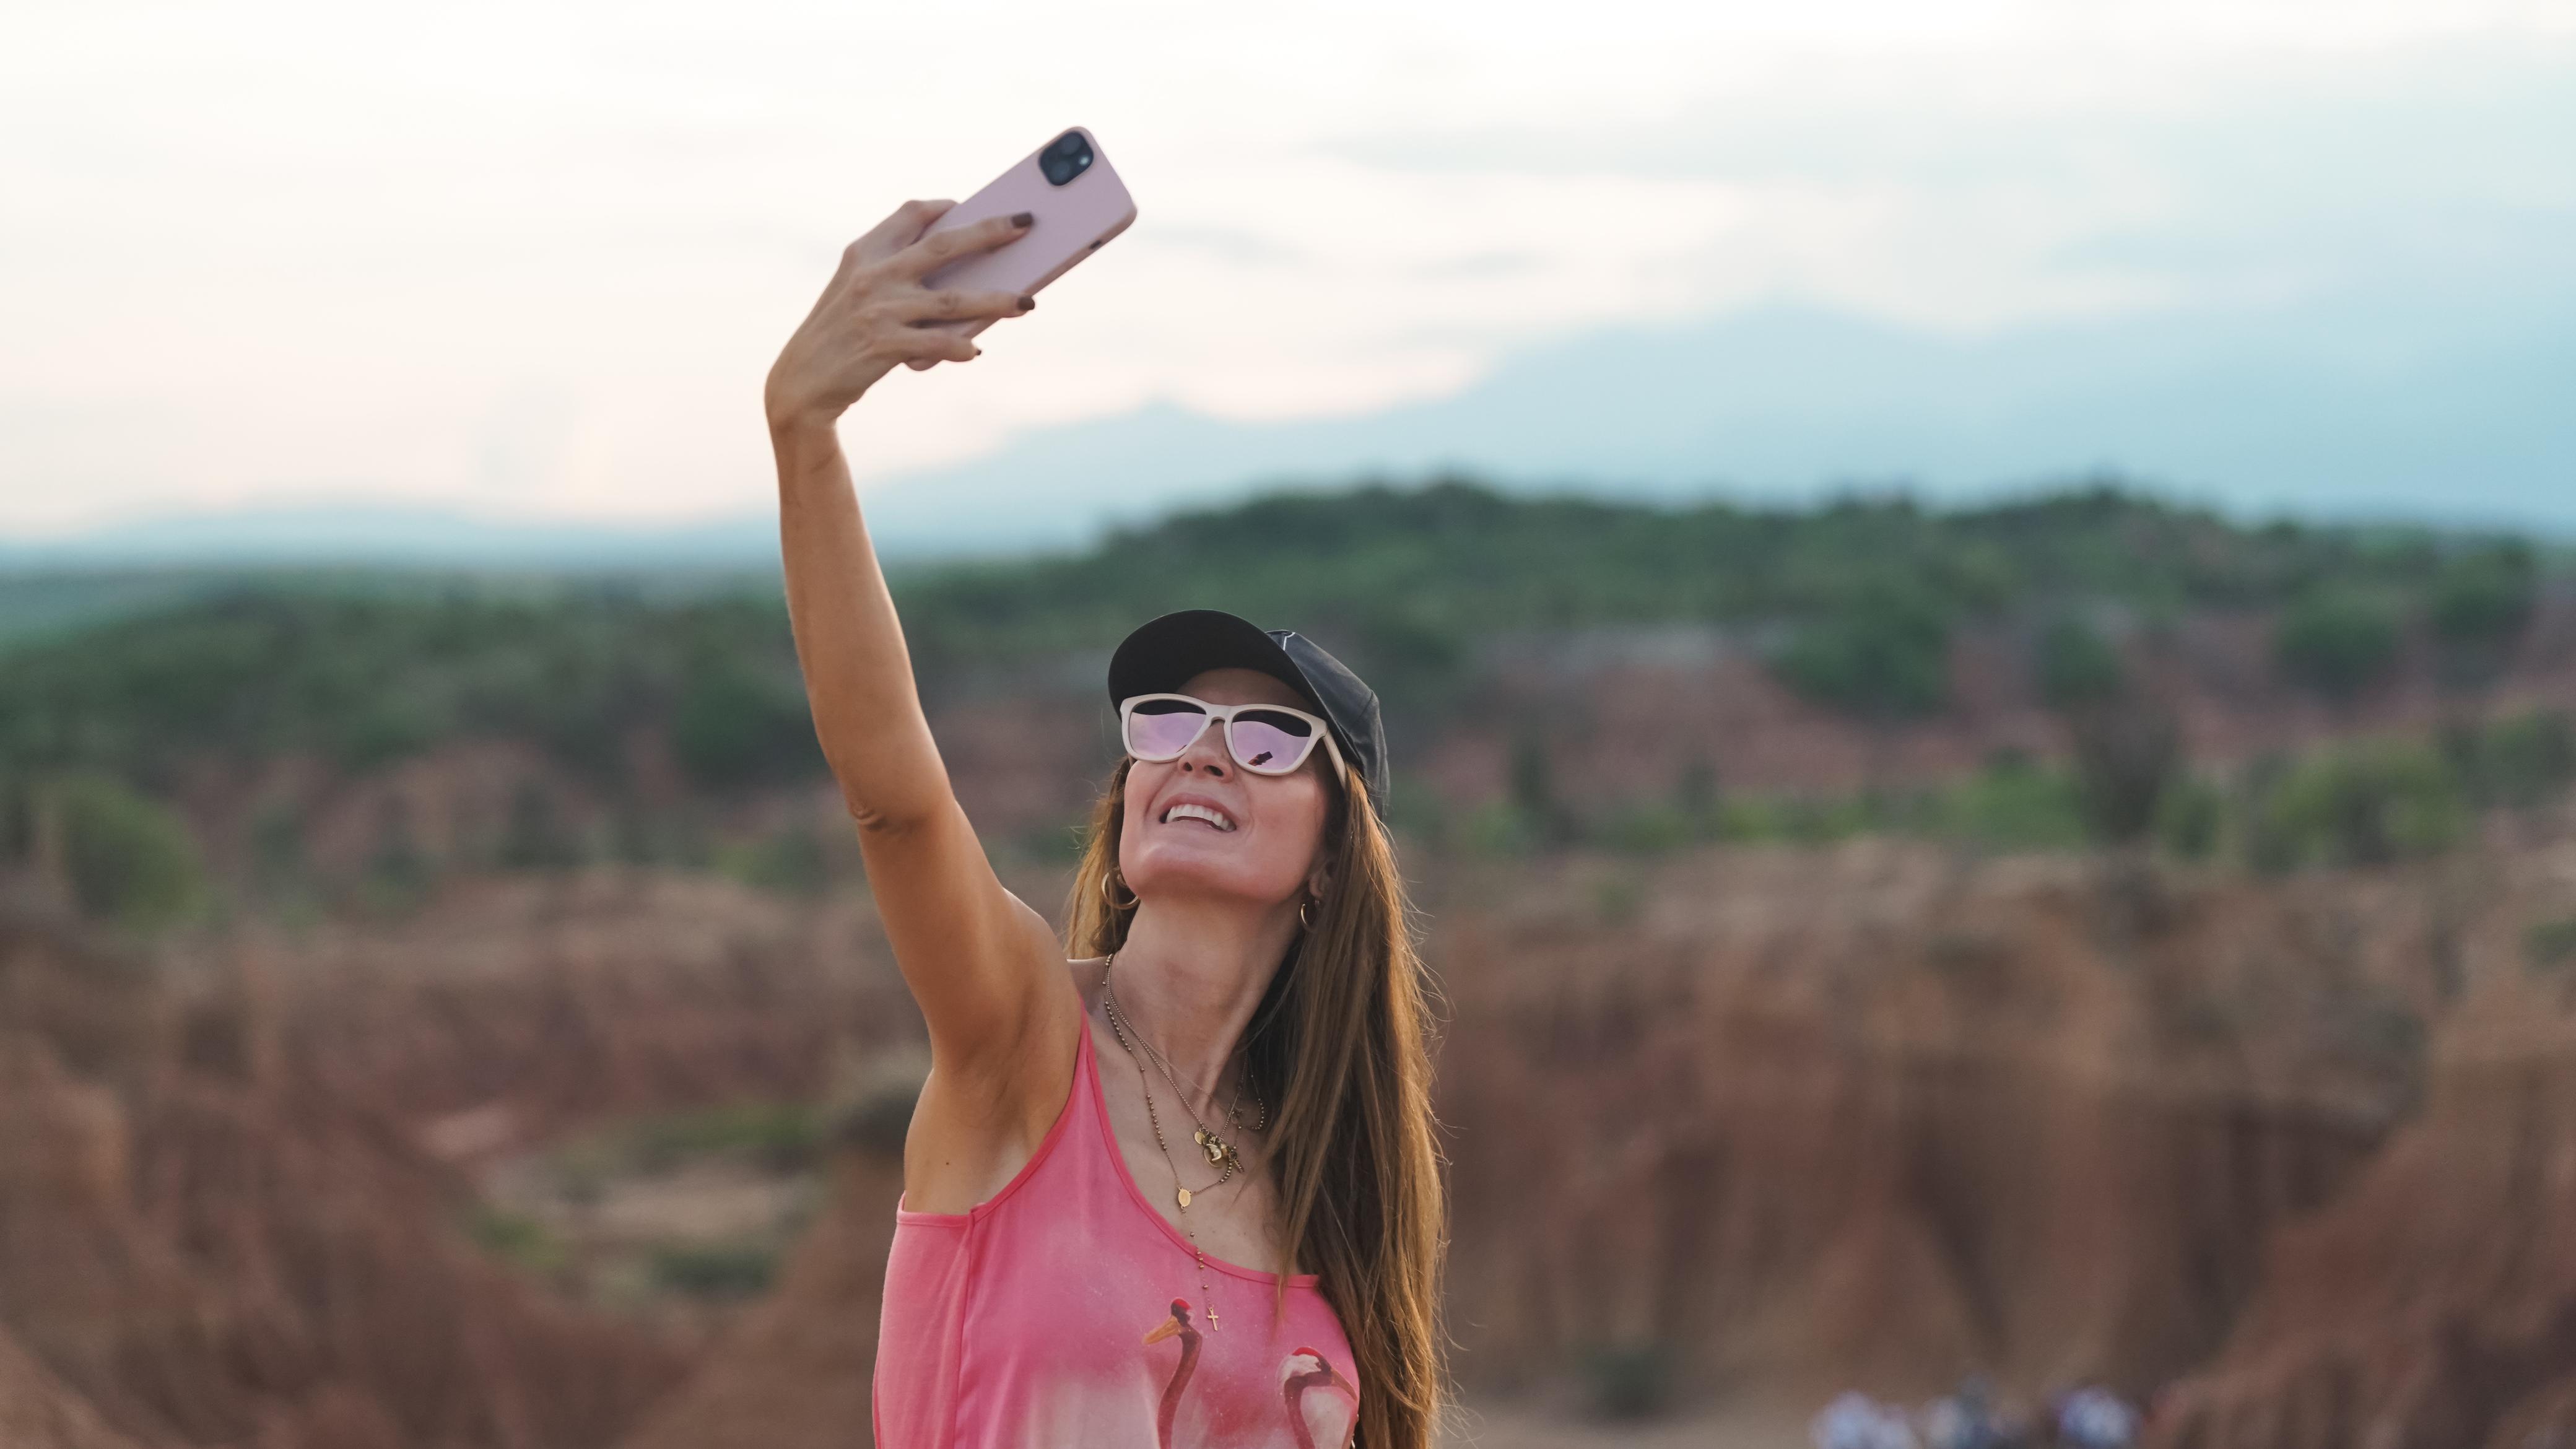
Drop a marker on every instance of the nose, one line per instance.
(1207, 754)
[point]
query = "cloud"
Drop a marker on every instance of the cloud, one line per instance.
(317, 249)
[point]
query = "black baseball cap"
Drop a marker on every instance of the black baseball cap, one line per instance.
(1165, 653)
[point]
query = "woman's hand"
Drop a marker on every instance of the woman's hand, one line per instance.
(872, 314)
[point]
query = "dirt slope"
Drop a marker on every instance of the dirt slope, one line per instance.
(1787, 1121)
(2435, 1303)
(796, 1374)
(1881, 1119)
(40, 1411)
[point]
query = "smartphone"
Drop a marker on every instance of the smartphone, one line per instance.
(1078, 200)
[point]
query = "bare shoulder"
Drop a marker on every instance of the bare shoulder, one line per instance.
(1087, 973)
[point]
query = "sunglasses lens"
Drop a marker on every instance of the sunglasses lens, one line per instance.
(1271, 744)
(1158, 729)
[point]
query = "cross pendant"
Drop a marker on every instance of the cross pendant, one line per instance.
(1212, 1323)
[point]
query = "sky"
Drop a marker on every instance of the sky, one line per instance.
(531, 261)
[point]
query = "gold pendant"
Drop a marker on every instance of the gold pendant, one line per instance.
(1215, 1148)
(1184, 1195)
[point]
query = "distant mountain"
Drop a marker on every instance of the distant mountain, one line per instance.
(2450, 414)
(2451, 417)
(398, 537)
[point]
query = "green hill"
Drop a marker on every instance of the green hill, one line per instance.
(1856, 600)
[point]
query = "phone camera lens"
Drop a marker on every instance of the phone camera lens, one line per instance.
(1065, 158)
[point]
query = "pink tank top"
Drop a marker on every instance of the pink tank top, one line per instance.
(1066, 1312)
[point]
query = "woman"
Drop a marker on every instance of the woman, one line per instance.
(1181, 1188)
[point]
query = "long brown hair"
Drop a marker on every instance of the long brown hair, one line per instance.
(1341, 1041)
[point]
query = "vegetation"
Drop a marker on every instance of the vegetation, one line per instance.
(127, 859)
(1854, 603)
(1882, 654)
(2337, 640)
(516, 1238)
(1629, 1381)
(2477, 607)
(715, 1270)
(775, 1136)
(1860, 597)
(2076, 666)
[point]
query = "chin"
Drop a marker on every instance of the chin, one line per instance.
(1188, 872)
(1181, 879)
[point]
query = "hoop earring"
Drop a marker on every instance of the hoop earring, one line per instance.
(1303, 907)
(1113, 903)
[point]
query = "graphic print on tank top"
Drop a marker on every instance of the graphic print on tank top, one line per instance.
(1066, 1311)
(1321, 1406)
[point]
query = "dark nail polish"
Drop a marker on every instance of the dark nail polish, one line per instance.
(1028, 303)
(1024, 218)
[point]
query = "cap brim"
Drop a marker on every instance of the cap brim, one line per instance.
(1167, 652)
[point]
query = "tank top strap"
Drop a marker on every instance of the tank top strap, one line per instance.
(1077, 1152)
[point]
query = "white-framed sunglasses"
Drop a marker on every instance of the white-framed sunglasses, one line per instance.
(1267, 739)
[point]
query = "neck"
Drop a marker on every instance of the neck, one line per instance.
(1190, 976)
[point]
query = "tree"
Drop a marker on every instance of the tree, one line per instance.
(1884, 655)
(2337, 642)
(734, 724)
(2477, 609)
(2127, 744)
(2075, 666)
(534, 837)
(125, 858)
(2127, 752)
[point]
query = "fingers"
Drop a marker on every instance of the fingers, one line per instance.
(939, 248)
(922, 347)
(902, 227)
(948, 305)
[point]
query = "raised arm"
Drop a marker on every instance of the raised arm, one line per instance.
(986, 969)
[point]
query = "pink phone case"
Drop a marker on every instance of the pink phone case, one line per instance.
(1073, 221)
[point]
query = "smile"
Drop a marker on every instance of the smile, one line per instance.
(1212, 816)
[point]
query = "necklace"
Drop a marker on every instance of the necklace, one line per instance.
(1180, 1194)
(1220, 1153)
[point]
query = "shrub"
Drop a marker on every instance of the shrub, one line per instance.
(398, 873)
(789, 860)
(2013, 805)
(1501, 829)
(1696, 794)
(127, 859)
(2364, 805)
(2337, 642)
(1533, 789)
(2550, 945)
(781, 1137)
(2190, 818)
(2075, 666)
(2479, 604)
(17, 817)
(2523, 761)
(277, 855)
(2126, 752)
(1884, 655)
(1629, 1381)
(535, 837)
(516, 1238)
(734, 725)
(1617, 900)
(1647, 829)
(721, 1270)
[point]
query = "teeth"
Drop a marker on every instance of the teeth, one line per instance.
(1197, 812)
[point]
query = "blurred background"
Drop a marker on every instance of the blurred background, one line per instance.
(1974, 603)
